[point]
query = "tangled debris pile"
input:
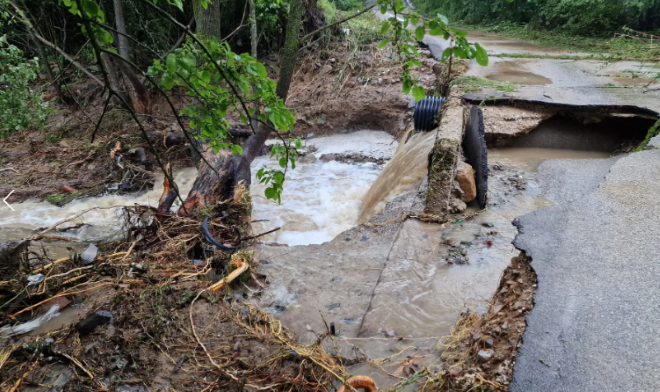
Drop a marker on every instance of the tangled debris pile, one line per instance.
(148, 313)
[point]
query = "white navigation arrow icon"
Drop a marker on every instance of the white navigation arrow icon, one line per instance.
(5, 200)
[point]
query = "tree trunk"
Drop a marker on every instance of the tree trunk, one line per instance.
(134, 85)
(208, 20)
(210, 188)
(120, 23)
(46, 66)
(253, 28)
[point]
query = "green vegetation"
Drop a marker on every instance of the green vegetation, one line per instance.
(598, 18)
(602, 48)
(474, 83)
(364, 29)
(20, 106)
(653, 132)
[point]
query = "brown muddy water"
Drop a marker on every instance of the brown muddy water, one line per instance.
(520, 77)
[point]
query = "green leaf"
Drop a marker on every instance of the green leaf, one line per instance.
(167, 82)
(283, 162)
(399, 6)
(418, 93)
(445, 55)
(270, 193)
(170, 62)
(482, 56)
(414, 19)
(443, 19)
(382, 43)
(420, 32)
(385, 27)
(205, 76)
(407, 85)
(188, 60)
(383, 8)
(205, 3)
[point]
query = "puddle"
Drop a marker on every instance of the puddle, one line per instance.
(520, 77)
(320, 199)
(528, 158)
(628, 81)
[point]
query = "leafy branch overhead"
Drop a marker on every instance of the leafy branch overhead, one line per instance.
(220, 81)
(402, 36)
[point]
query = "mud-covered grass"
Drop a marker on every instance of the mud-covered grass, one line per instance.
(481, 350)
(469, 84)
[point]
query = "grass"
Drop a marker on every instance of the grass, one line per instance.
(474, 83)
(653, 132)
(612, 48)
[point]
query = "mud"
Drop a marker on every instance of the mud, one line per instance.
(359, 91)
(519, 77)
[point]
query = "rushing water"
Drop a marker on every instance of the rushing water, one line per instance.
(320, 199)
(403, 173)
(102, 223)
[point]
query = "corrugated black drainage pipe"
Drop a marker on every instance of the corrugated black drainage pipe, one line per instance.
(426, 113)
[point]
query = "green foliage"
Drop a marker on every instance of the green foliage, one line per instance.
(652, 132)
(20, 106)
(220, 80)
(401, 35)
(583, 17)
(347, 5)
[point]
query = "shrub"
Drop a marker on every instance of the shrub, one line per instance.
(20, 106)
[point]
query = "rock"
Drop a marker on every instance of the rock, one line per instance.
(318, 65)
(325, 69)
(465, 178)
(320, 121)
(332, 60)
(310, 136)
(359, 80)
(485, 355)
(328, 157)
(94, 320)
(412, 103)
(349, 353)
(379, 90)
(489, 342)
(11, 251)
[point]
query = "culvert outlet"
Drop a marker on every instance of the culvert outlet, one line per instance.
(426, 113)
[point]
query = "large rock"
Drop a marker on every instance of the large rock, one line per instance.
(465, 178)
(10, 254)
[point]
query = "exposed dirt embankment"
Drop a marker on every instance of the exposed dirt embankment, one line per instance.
(347, 90)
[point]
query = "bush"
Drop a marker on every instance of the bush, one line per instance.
(20, 106)
(581, 17)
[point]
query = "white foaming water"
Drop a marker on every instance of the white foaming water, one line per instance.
(104, 224)
(320, 199)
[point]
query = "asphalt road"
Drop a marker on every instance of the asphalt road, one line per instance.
(594, 326)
